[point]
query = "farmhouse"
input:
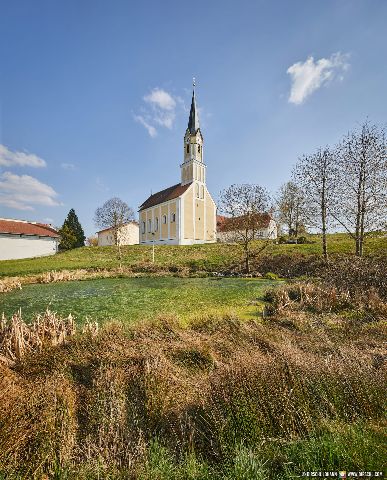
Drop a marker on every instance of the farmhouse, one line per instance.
(183, 214)
(126, 235)
(225, 228)
(22, 239)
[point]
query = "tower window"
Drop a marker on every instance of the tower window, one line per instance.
(187, 148)
(198, 148)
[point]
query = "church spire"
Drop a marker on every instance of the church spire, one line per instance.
(193, 122)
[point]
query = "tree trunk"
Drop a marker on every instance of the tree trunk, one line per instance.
(247, 258)
(324, 219)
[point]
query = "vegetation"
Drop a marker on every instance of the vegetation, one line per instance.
(135, 299)
(346, 185)
(71, 233)
(208, 258)
(221, 399)
(245, 207)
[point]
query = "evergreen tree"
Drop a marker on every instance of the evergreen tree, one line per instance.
(68, 239)
(72, 234)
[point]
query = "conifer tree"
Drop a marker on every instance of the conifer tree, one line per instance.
(72, 234)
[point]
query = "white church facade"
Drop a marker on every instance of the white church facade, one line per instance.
(185, 213)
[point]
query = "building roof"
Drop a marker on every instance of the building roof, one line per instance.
(165, 195)
(133, 222)
(193, 121)
(22, 227)
(226, 224)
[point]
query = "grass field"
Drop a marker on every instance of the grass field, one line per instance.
(134, 299)
(208, 257)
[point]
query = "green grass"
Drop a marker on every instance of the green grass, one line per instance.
(201, 257)
(133, 299)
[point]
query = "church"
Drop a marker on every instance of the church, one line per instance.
(185, 213)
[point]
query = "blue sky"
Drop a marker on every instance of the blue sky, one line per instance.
(94, 94)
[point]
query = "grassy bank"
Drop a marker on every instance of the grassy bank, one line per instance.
(222, 399)
(210, 257)
(134, 299)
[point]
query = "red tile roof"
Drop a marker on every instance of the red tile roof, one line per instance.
(165, 195)
(18, 227)
(225, 224)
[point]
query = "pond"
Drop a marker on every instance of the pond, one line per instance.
(133, 299)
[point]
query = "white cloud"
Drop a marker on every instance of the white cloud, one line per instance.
(22, 192)
(160, 110)
(19, 159)
(161, 99)
(67, 166)
(151, 129)
(309, 76)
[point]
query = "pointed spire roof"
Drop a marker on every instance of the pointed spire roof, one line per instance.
(193, 122)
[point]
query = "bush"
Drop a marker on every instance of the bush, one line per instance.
(302, 240)
(271, 276)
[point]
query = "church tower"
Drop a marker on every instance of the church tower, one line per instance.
(193, 169)
(185, 213)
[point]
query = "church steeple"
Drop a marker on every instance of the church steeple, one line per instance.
(193, 122)
(193, 168)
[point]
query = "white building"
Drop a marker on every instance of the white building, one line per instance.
(183, 214)
(22, 239)
(127, 235)
(225, 232)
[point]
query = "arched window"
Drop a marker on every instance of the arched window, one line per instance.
(143, 227)
(197, 190)
(187, 147)
(149, 225)
(198, 148)
(202, 191)
(173, 217)
(157, 224)
(164, 219)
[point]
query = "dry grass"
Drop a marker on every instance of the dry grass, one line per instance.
(98, 401)
(7, 284)
(324, 298)
(18, 338)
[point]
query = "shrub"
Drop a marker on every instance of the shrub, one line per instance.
(271, 276)
(302, 240)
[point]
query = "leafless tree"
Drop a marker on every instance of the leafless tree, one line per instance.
(316, 176)
(362, 183)
(291, 208)
(113, 214)
(245, 207)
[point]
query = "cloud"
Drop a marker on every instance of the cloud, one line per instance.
(19, 159)
(160, 110)
(22, 192)
(160, 99)
(67, 166)
(151, 130)
(309, 76)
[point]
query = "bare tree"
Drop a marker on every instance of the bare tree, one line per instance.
(316, 176)
(113, 214)
(245, 207)
(362, 183)
(291, 208)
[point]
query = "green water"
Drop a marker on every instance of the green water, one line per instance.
(133, 299)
